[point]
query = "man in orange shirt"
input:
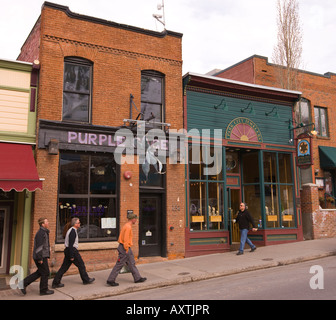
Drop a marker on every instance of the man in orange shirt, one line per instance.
(125, 254)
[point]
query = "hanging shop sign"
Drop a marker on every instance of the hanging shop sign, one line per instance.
(304, 151)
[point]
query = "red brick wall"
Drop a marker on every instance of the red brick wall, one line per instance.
(324, 222)
(243, 71)
(30, 49)
(118, 58)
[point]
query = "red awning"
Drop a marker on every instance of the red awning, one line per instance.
(17, 168)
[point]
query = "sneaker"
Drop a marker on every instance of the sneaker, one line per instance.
(253, 249)
(112, 283)
(141, 280)
(239, 253)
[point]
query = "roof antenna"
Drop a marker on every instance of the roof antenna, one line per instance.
(161, 17)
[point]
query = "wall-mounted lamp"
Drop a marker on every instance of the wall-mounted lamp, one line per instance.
(249, 106)
(302, 125)
(222, 106)
(274, 113)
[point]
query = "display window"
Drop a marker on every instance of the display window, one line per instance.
(206, 203)
(88, 190)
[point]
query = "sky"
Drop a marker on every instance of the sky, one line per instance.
(216, 33)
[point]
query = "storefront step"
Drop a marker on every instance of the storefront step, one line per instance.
(143, 260)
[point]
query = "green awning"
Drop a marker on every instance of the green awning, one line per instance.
(327, 157)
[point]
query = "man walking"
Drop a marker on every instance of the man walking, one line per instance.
(244, 219)
(41, 254)
(125, 254)
(72, 256)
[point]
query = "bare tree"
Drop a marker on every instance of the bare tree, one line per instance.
(288, 51)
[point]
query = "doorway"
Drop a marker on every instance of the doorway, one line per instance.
(4, 220)
(151, 229)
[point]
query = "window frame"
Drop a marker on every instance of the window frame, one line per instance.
(205, 182)
(89, 198)
(161, 76)
(79, 62)
(319, 125)
(278, 185)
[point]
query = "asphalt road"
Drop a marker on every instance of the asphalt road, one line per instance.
(312, 280)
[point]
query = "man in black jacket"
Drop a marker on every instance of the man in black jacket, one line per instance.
(41, 254)
(71, 255)
(244, 219)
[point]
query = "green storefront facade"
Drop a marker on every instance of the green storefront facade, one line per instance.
(241, 149)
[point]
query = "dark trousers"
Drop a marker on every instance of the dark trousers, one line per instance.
(43, 272)
(78, 262)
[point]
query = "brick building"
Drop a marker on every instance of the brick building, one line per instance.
(97, 80)
(314, 110)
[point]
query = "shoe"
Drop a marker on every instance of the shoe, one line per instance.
(24, 291)
(112, 283)
(141, 280)
(58, 285)
(239, 253)
(46, 293)
(89, 281)
(253, 249)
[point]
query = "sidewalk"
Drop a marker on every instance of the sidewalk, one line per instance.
(160, 274)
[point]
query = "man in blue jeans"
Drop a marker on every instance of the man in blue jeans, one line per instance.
(244, 219)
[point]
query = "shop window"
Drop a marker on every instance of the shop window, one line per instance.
(88, 190)
(287, 206)
(77, 90)
(152, 96)
(206, 193)
(321, 121)
(285, 168)
(278, 190)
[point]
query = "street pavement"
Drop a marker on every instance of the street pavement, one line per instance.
(172, 272)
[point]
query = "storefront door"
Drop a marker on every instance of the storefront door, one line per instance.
(233, 197)
(150, 225)
(4, 216)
